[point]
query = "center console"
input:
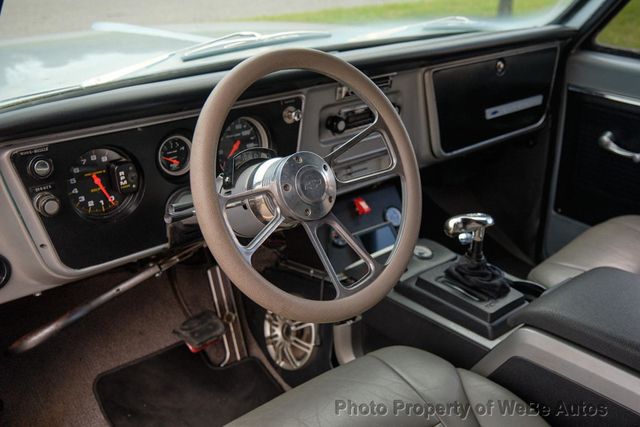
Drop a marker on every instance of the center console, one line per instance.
(455, 305)
(467, 289)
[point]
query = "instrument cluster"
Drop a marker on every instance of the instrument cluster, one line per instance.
(104, 183)
(112, 189)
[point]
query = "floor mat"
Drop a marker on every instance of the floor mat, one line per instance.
(176, 387)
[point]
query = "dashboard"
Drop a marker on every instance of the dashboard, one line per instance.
(78, 199)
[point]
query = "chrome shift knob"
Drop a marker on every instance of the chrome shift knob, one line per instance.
(468, 223)
(469, 229)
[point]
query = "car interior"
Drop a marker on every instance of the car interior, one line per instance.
(436, 230)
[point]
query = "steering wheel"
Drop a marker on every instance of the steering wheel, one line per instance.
(300, 189)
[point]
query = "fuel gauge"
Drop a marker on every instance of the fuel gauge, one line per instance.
(173, 155)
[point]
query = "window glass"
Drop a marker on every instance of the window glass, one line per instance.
(60, 48)
(623, 32)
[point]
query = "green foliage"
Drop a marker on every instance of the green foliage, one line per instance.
(623, 32)
(417, 10)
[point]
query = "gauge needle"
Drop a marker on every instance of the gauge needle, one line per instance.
(169, 159)
(97, 181)
(234, 148)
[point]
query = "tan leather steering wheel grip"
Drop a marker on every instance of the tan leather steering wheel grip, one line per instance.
(233, 259)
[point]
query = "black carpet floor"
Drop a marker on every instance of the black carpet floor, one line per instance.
(177, 388)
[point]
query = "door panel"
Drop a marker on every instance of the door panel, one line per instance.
(591, 184)
(594, 183)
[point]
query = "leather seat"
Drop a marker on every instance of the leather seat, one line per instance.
(613, 243)
(406, 382)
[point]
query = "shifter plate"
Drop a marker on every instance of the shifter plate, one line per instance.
(487, 318)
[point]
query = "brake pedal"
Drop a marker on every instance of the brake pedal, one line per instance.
(200, 331)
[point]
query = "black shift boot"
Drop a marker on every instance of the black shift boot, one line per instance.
(479, 278)
(472, 272)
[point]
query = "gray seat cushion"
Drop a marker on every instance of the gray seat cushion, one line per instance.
(614, 243)
(404, 384)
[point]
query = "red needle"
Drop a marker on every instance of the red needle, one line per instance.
(169, 159)
(234, 148)
(97, 181)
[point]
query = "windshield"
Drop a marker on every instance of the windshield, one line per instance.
(57, 48)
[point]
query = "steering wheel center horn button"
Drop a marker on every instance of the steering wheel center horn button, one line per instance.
(307, 186)
(310, 185)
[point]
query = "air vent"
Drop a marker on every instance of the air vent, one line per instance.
(383, 82)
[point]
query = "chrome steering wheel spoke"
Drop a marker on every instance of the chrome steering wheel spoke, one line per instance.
(377, 126)
(234, 200)
(231, 200)
(374, 267)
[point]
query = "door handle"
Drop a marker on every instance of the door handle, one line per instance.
(606, 141)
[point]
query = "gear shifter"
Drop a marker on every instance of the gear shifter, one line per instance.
(472, 272)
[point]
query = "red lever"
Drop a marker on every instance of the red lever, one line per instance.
(362, 207)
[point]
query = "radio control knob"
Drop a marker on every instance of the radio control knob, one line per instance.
(336, 124)
(46, 204)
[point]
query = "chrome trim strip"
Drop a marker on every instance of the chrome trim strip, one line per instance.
(35, 230)
(432, 110)
(604, 94)
(512, 107)
(343, 341)
(607, 378)
(227, 309)
(216, 305)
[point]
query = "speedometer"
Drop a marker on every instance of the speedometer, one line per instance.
(241, 134)
(102, 183)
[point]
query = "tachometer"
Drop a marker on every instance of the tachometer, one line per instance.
(102, 183)
(173, 155)
(241, 134)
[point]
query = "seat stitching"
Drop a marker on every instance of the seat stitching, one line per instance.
(568, 265)
(464, 390)
(406, 382)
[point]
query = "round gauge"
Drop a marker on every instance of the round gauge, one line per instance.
(173, 155)
(102, 183)
(241, 134)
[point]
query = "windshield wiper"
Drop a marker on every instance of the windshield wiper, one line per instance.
(229, 43)
(456, 23)
(246, 40)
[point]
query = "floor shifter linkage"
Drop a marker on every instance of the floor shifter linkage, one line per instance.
(42, 334)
